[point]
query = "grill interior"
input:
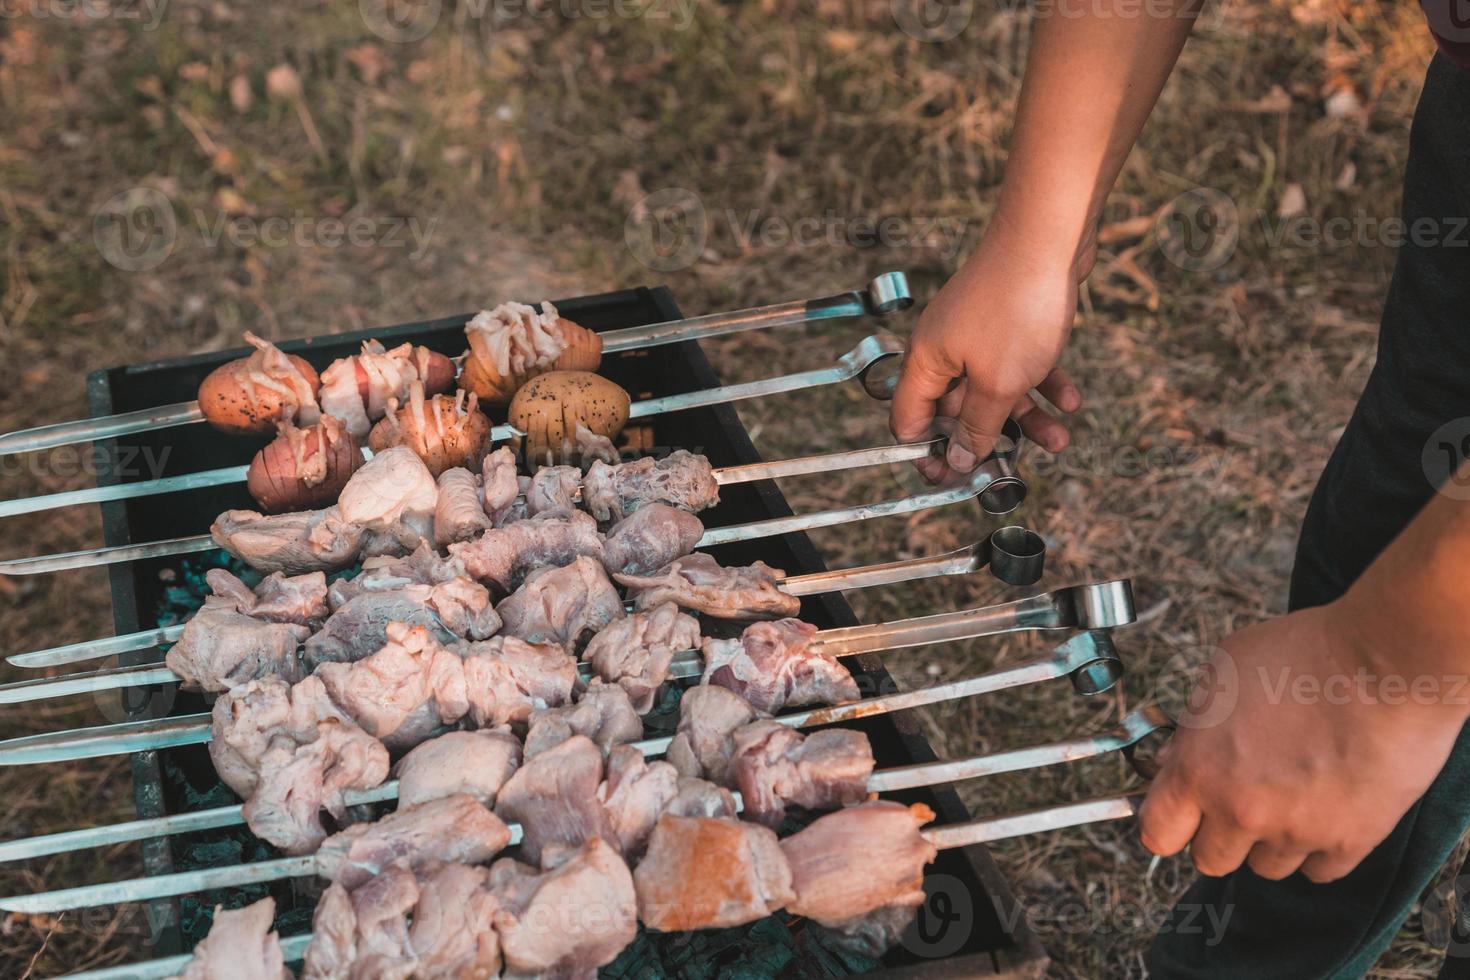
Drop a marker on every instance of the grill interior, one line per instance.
(969, 927)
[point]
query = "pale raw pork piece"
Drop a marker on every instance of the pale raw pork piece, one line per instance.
(553, 796)
(507, 679)
(559, 605)
(703, 743)
(475, 763)
(603, 714)
(240, 946)
(502, 556)
(422, 566)
(633, 797)
(299, 599)
(459, 514)
(700, 584)
(568, 921)
(650, 538)
(363, 932)
(697, 797)
(290, 752)
(502, 488)
(221, 649)
(634, 652)
(773, 665)
(680, 479)
(304, 541)
(554, 488)
(393, 489)
(710, 873)
(454, 828)
(774, 765)
(458, 609)
(405, 691)
(851, 863)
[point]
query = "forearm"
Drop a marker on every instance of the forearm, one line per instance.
(1411, 608)
(1092, 79)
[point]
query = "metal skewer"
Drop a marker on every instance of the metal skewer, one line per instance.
(1014, 554)
(885, 295)
(1082, 653)
(993, 482)
(856, 363)
(1092, 607)
(1133, 729)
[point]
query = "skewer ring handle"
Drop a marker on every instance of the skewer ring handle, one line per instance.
(1017, 555)
(888, 294)
(1099, 667)
(1143, 752)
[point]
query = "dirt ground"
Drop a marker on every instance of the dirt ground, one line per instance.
(740, 153)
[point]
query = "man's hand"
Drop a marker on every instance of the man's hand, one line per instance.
(1303, 748)
(991, 335)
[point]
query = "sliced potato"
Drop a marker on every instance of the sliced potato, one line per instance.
(551, 406)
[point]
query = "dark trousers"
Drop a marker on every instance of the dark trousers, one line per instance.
(1378, 478)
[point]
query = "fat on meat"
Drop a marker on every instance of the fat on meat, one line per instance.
(634, 794)
(503, 556)
(240, 946)
(364, 931)
(476, 763)
(650, 538)
(568, 921)
(303, 541)
(405, 691)
(603, 713)
(503, 493)
(774, 766)
(851, 863)
(422, 566)
(454, 828)
(700, 584)
(634, 652)
(560, 604)
(710, 873)
(774, 665)
(554, 488)
(681, 479)
(704, 741)
(393, 490)
(459, 514)
(507, 679)
(222, 649)
(299, 599)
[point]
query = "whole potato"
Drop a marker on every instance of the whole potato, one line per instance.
(550, 407)
(303, 469)
(252, 394)
(444, 431)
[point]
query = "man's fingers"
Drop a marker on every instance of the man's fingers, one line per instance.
(1275, 862)
(1324, 866)
(1039, 425)
(981, 419)
(911, 417)
(1059, 389)
(1168, 819)
(1219, 847)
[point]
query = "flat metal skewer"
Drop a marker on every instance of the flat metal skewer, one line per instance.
(1014, 554)
(1073, 656)
(856, 363)
(1093, 607)
(994, 482)
(1129, 732)
(885, 295)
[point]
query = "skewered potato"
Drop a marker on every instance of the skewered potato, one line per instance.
(252, 394)
(514, 342)
(559, 411)
(444, 431)
(303, 468)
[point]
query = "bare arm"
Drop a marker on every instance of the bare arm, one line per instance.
(997, 328)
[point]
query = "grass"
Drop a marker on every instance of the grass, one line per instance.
(525, 143)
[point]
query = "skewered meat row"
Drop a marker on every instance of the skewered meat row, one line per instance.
(393, 503)
(700, 584)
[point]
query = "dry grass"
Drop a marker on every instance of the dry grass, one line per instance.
(527, 142)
